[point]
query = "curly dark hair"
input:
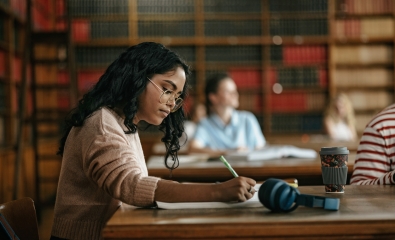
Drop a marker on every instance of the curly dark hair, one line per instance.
(121, 85)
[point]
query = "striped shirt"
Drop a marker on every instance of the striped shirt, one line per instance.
(375, 160)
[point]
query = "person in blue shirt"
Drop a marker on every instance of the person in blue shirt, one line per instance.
(225, 129)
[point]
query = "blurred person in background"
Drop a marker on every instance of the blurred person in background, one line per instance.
(225, 129)
(339, 119)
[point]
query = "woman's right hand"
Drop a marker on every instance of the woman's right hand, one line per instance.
(238, 189)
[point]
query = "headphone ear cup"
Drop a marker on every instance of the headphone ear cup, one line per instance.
(265, 193)
(278, 196)
(285, 197)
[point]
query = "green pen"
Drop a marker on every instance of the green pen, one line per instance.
(228, 166)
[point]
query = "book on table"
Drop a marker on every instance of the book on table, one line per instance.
(273, 152)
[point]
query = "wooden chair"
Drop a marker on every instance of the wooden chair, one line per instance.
(21, 216)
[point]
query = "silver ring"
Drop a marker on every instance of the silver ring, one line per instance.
(250, 191)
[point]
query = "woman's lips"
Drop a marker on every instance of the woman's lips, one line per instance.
(165, 113)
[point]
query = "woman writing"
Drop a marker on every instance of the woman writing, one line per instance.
(102, 159)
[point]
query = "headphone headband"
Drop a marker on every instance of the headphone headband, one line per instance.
(279, 196)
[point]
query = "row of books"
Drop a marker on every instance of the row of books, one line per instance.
(3, 98)
(86, 79)
(365, 6)
(302, 27)
(246, 78)
(99, 56)
(364, 77)
(96, 56)
(2, 132)
(232, 28)
(49, 15)
(298, 54)
(296, 123)
(290, 77)
(166, 7)
(98, 7)
(16, 34)
(18, 7)
(166, 28)
(232, 6)
(2, 30)
(2, 64)
(363, 54)
(85, 30)
(188, 6)
(233, 54)
(370, 100)
(367, 27)
(297, 101)
(298, 6)
(47, 98)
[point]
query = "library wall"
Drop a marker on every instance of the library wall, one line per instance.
(287, 57)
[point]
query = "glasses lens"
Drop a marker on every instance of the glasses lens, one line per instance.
(177, 104)
(164, 98)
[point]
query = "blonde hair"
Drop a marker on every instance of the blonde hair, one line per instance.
(332, 112)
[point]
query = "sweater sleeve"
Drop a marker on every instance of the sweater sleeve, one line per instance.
(118, 167)
(372, 163)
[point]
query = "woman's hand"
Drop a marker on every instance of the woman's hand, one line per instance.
(238, 189)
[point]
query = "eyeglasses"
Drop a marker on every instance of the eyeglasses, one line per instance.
(167, 96)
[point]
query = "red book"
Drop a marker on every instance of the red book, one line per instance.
(323, 77)
(86, 79)
(303, 55)
(288, 102)
(271, 75)
(17, 69)
(246, 78)
(80, 30)
(63, 77)
(2, 64)
(64, 100)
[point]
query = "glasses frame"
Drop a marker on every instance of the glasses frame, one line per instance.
(178, 101)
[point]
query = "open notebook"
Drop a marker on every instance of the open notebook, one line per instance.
(273, 152)
(252, 202)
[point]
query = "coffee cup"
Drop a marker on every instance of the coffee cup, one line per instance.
(334, 168)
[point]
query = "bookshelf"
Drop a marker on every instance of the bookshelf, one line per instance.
(13, 81)
(276, 51)
(362, 55)
(287, 57)
(34, 69)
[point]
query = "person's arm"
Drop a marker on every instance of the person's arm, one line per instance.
(236, 189)
(372, 163)
(196, 147)
(330, 127)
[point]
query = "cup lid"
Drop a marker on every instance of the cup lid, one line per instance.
(334, 150)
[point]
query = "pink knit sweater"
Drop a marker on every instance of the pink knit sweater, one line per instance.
(101, 167)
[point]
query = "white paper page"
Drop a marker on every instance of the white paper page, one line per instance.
(252, 202)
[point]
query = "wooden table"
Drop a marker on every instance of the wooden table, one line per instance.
(307, 171)
(366, 212)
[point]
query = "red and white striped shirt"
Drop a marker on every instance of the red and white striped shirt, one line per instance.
(375, 160)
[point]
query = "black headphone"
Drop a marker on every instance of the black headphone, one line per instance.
(279, 196)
